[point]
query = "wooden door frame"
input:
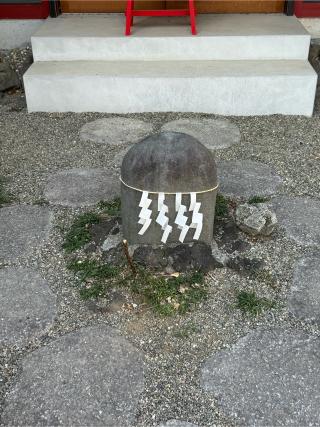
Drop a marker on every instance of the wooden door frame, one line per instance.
(289, 7)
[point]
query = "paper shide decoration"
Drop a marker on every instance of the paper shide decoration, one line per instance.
(163, 219)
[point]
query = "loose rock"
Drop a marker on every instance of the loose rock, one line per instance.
(81, 187)
(27, 306)
(90, 377)
(256, 219)
(181, 257)
(304, 298)
(8, 78)
(268, 378)
(213, 133)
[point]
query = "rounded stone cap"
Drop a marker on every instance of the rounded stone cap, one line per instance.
(169, 162)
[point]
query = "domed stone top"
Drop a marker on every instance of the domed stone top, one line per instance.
(169, 162)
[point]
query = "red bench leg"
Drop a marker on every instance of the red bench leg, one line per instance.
(129, 17)
(192, 17)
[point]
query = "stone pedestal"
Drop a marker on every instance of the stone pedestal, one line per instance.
(158, 170)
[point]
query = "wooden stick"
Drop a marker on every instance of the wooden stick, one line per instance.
(129, 259)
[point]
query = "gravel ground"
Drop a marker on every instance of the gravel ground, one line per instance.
(33, 146)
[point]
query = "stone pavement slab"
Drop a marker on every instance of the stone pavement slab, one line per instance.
(246, 178)
(81, 187)
(90, 377)
(268, 378)
(22, 228)
(213, 133)
(304, 298)
(115, 131)
(28, 307)
(300, 217)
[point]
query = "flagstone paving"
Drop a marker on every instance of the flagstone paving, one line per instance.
(268, 378)
(304, 297)
(81, 361)
(300, 217)
(28, 307)
(115, 131)
(215, 134)
(246, 178)
(91, 377)
(81, 187)
(22, 229)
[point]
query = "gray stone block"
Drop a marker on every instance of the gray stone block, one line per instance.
(168, 162)
(22, 229)
(90, 377)
(27, 306)
(268, 378)
(81, 187)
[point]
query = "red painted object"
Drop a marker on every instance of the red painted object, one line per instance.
(24, 10)
(305, 9)
(130, 13)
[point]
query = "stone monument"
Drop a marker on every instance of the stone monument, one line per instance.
(168, 191)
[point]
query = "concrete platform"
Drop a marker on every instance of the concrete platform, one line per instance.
(221, 87)
(99, 37)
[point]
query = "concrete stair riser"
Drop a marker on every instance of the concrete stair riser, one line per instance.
(220, 87)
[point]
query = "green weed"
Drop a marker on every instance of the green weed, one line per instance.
(111, 208)
(257, 199)
(221, 209)
(168, 296)
(79, 233)
(249, 302)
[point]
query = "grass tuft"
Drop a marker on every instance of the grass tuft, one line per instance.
(79, 233)
(166, 295)
(92, 269)
(249, 302)
(111, 208)
(222, 209)
(170, 295)
(257, 199)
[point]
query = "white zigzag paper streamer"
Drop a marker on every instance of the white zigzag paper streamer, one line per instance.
(181, 219)
(145, 213)
(197, 217)
(162, 219)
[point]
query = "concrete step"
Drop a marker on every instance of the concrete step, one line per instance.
(220, 37)
(221, 87)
